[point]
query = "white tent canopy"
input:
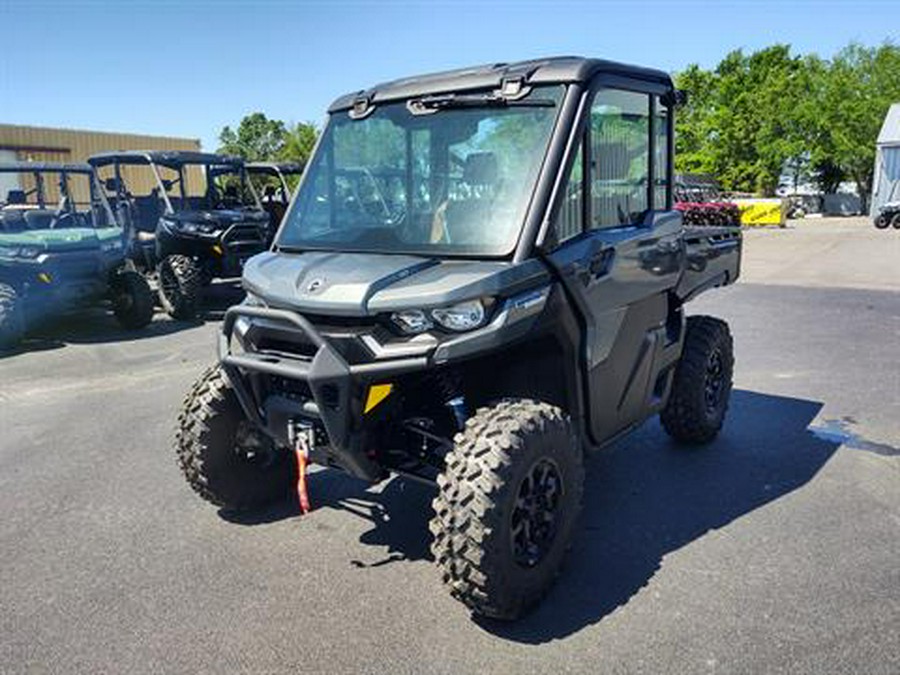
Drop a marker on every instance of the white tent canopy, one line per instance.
(887, 161)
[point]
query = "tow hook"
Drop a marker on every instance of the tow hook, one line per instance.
(301, 438)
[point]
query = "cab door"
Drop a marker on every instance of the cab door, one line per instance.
(618, 251)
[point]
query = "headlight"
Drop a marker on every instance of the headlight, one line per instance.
(460, 317)
(112, 245)
(411, 321)
(20, 251)
(188, 227)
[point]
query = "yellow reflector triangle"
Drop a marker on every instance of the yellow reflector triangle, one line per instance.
(377, 393)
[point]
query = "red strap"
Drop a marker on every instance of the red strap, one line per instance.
(302, 494)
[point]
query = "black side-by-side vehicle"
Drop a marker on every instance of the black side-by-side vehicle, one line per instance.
(481, 278)
(200, 220)
(274, 183)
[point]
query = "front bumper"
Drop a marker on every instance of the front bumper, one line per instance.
(334, 376)
(336, 389)
(230, 248)
(55, 282)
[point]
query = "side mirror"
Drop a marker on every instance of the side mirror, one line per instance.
(675, 98)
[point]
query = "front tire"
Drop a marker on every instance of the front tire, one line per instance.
(882, 221)
(507, 504)
(225, 459)
(12, 321)
(132, 299)
(895, 221)
(180, 281)
(702, 384)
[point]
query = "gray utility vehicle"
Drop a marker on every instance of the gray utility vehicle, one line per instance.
(61, 249)
(274, 183)
(199, 220)
(480, 278)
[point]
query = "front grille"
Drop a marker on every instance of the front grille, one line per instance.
(296, 389)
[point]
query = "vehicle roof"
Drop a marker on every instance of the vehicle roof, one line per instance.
(284, 167)
(557, 69)
(169, 158)
(31, 167)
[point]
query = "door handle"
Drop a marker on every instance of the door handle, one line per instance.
(594, 266)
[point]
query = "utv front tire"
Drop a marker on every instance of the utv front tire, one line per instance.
(132, 299)
(12, 322)
(224, 458)
(702, 384)
(180, 281)
(507, 505)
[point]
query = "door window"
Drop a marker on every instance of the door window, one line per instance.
(620, 158)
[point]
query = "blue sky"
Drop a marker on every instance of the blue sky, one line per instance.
(188, 68)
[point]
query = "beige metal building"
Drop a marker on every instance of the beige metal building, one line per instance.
(45, 144)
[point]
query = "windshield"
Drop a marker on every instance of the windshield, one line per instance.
(36, 200)
(448, 178)
(215, 186)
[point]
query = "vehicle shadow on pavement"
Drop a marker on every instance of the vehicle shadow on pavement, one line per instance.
(98, 325)
(398, 510)
(647, 497)
(644, 498)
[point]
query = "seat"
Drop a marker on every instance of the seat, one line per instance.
(16, 196)
(39, 219)
(465, 218)
(148, 210)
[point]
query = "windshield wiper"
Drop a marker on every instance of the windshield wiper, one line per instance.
(431, 104)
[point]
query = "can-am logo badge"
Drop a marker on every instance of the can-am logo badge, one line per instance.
(315, 285)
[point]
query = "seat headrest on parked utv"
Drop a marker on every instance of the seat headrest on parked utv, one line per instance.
(16, 196)
(480, 169)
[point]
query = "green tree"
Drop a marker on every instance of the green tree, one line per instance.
(754, 115)
(299, 142)
(741, 122)
(852, 98)
(256, 139)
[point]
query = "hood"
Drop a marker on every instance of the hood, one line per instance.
(360, 284)
(63, 239)
(221, 217)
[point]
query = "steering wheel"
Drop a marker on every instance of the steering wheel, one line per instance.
(60, 218)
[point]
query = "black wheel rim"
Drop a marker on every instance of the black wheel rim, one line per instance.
(252, 447)
(715, 382)
(535, 515)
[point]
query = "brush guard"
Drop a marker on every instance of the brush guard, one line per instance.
(336, 387)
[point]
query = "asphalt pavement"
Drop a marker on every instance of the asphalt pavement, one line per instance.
(774, 549)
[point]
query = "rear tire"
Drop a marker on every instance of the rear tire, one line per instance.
(132, 299)
(180, 281)
(702, 384)
(224, 458)
(895, 221)
(507, 504)
(12, 321)
(882, 221)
